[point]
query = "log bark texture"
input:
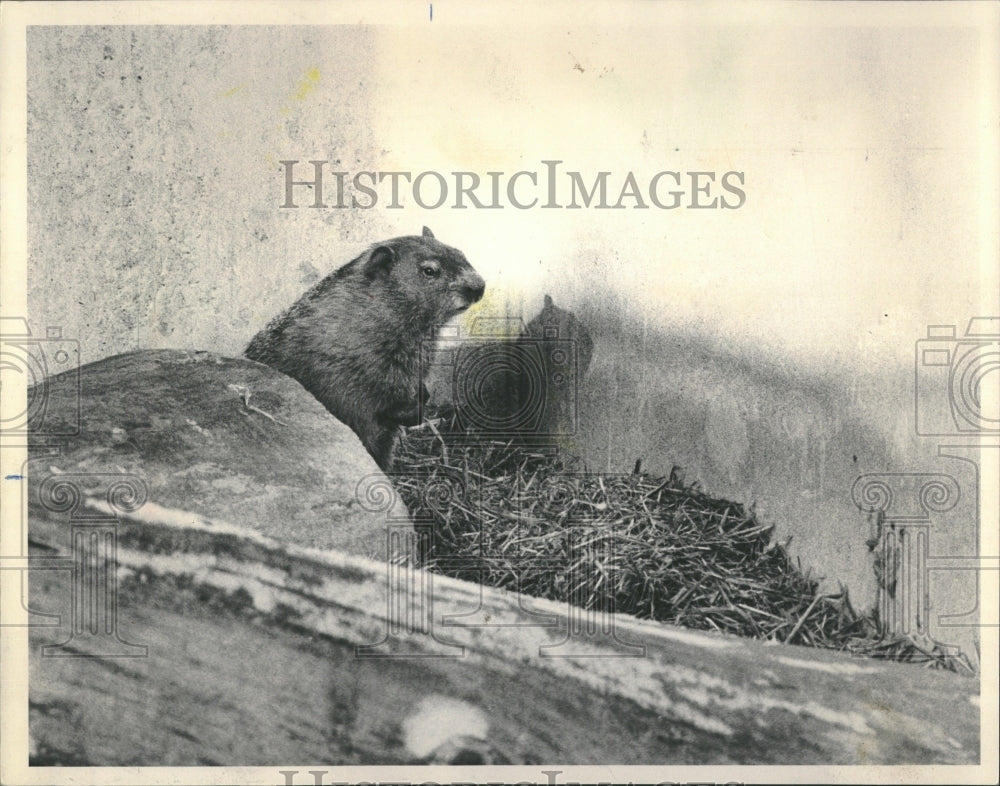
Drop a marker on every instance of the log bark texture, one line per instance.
(259, 652)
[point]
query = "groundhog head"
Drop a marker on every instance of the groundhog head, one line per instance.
(424, 277)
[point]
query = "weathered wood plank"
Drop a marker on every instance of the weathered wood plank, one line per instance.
(253, 659)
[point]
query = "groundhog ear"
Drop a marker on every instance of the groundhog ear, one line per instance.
(428, 233)
(380, 259)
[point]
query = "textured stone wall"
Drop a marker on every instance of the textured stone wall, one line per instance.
(154, 182)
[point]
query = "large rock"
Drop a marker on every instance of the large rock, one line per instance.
(222, 438)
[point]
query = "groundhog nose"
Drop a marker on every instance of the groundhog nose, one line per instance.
(475, 288)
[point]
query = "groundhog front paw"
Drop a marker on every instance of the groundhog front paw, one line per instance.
(409, 413)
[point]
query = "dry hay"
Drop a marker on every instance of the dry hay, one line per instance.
(534, 522)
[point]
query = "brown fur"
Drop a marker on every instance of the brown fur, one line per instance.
(354, 339)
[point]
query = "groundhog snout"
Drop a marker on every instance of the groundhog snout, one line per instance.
(471, 287)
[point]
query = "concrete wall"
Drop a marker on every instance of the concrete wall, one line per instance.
(154, 178)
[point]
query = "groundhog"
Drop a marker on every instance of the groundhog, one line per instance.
(354, 339)
(524, 387)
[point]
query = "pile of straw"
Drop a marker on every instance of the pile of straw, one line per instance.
(531, 521)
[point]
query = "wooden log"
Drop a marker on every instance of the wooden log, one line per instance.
(261, 652)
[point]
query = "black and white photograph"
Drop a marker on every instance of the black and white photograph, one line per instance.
(414, 392)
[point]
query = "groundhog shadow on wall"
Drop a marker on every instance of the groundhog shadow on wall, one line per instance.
(505, 379)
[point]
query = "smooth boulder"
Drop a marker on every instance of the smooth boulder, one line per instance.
(222, 438)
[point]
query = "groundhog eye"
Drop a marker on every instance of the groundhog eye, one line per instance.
(430, 270)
